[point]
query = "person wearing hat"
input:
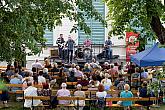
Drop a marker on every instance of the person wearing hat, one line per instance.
(63, 92)
(80, 93)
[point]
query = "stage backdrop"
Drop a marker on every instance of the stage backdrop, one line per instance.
(131, 44)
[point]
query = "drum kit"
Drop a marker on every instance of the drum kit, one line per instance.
(85, 52)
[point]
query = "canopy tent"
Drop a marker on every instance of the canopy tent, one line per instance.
(153, 56)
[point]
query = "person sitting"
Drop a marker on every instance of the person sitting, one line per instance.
(94, 83)
(62, 77)
(117, 80)
(55, 68)
(9, 70)
(136, 78)
(80, 93)
(72, 77)
(47, 64)
(101, 95)
(94, 64)
(15, 80)
(144, 93)
(106, 66)
(45, 92)
(144, 73)
(4, 96)
(41, 79)
(126, 94)
(121, 84)
(45, 74)
(37, 65)
(84, 81)
(31, 91)
(61, 93)
(78, 73)
(113, 72)
(106, 82)
(86, 68)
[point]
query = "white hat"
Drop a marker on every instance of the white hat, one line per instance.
(63, 85)
(79, 85)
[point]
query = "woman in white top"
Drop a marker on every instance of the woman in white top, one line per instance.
(106, 82)
(101, 93)
(80, 93)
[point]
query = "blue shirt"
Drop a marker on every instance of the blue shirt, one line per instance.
(70, 44)
(127, 94)
(15, 81)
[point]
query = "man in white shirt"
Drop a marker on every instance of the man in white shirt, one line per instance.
(31, 91)
(63, 92)
(41, 79)
(37, 64)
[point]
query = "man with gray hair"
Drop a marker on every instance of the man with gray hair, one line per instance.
(37, 64)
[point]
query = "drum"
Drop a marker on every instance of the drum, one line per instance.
(80, 54)
(87, 52)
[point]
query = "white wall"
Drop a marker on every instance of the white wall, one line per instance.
(64, 29)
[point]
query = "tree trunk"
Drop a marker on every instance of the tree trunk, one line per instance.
(158, 28)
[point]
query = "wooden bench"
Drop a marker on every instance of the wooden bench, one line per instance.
(32, 98)
(106, 100)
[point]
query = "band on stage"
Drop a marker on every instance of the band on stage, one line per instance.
(66, 49)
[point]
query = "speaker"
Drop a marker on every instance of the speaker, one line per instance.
(54, 53)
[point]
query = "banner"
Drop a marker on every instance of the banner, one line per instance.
(131, 44)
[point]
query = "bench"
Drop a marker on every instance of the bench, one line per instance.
(32, 98)
(106, 100)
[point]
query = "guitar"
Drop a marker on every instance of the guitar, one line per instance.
(61, 45)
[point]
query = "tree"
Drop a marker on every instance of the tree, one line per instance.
(23, 23)
(148, 15)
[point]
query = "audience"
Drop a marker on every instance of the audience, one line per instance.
(92, 78)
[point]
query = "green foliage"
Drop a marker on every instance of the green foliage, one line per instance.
(156, 85)
(134, 15)
(23, 23)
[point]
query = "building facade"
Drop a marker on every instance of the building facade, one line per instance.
(98, 35)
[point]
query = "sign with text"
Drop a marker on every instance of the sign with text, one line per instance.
(132, 44)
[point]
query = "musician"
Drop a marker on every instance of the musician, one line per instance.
(60, 42)
(108, 49)
(87, 42)
(70, 45)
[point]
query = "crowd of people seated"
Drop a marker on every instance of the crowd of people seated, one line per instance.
(93, 76)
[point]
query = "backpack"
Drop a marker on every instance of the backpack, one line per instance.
(100, 102)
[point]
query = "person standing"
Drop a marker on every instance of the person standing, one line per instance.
(60, 42)
(108, 49)
(70, 44)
